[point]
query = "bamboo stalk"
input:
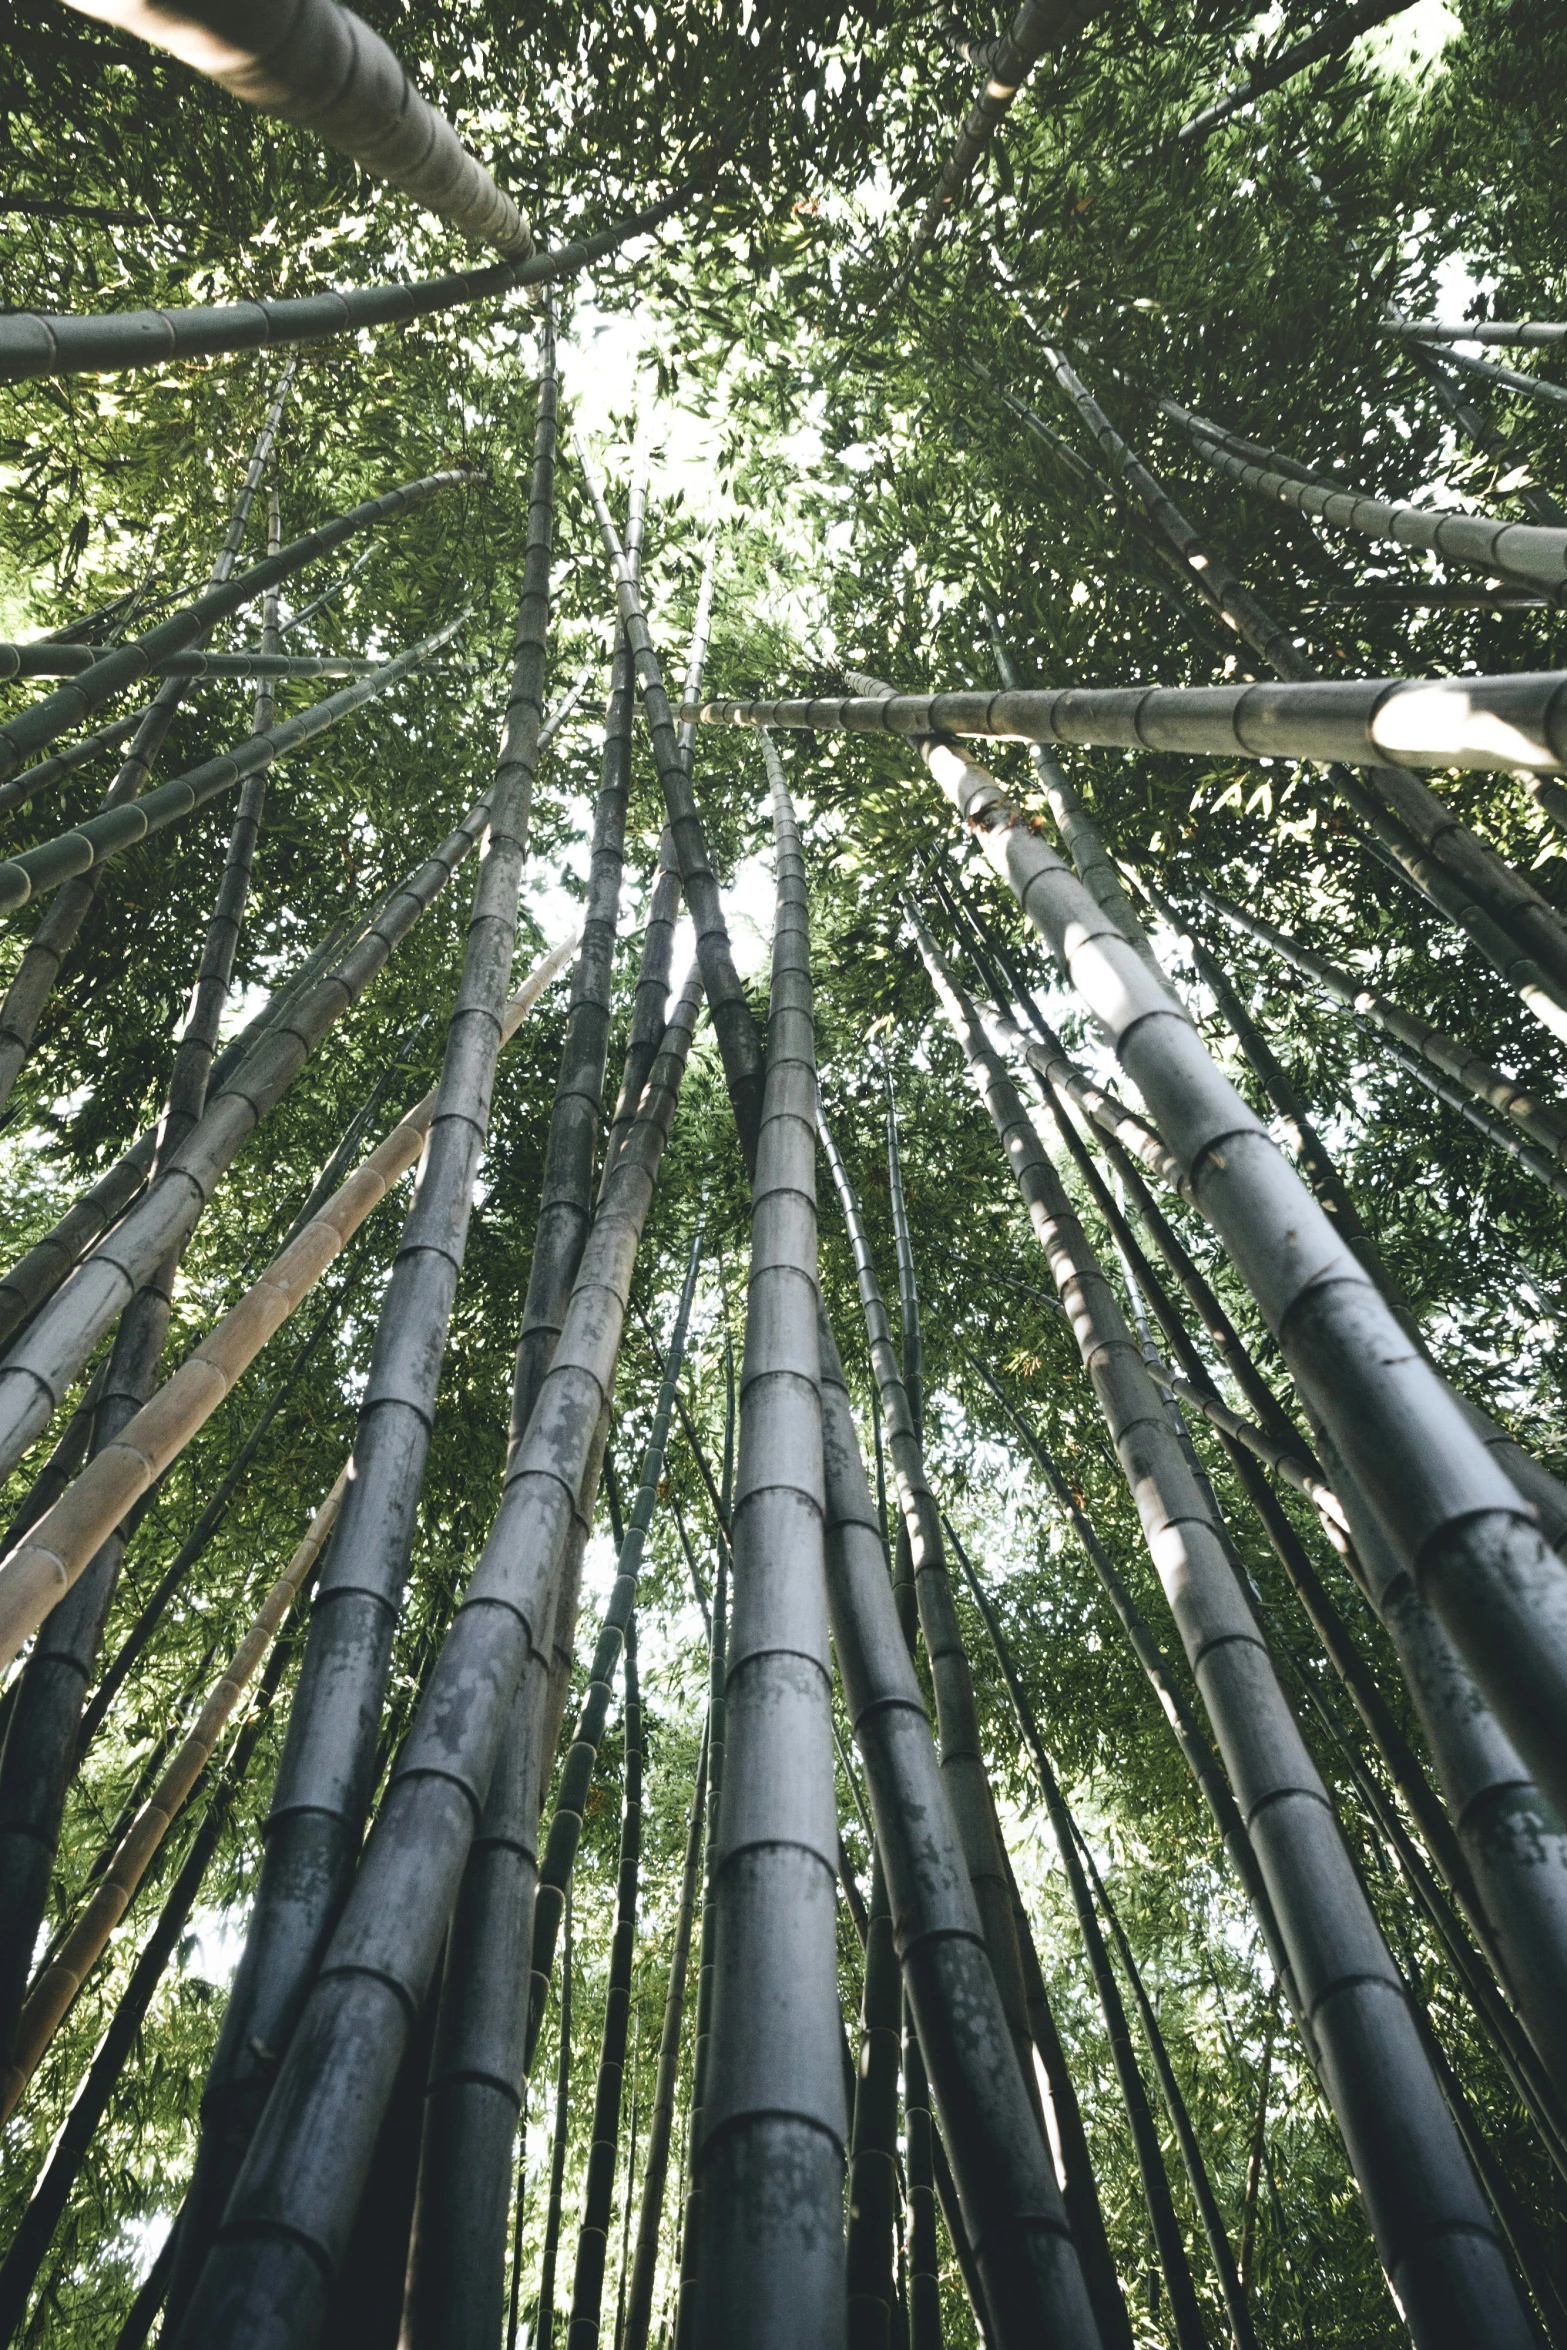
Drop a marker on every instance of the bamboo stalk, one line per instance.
(962, 1758)
(296, 2195)
(689, 2206)
(1454, 1520)
(34, 343)
(873, 2137)
(637, 2293)
(1472, 330)
(1511, 379)
(544, 2313)
(1190, 2332)
(1343, 27)
(733, 1024)
(1481, 722)
(48, 660)
(323, 68)
(1449, 2260)
(49, 772)
(128, 664)
(324, 1783)
(774, 2095)
(57, 1983)
(54, 1552)
(587, 2291)
(565, 1831)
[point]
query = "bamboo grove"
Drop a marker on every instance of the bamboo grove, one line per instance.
(784, 963)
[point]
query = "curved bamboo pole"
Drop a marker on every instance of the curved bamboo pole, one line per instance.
(320, 66)
(35, 343)
(1431, 2221)
(58, 1982)
(774, 2095)
(296, 2196)
(54, 1552)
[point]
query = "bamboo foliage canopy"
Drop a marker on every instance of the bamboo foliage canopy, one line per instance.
(1131, 396)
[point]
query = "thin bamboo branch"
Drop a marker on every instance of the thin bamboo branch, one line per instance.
(1271, 73)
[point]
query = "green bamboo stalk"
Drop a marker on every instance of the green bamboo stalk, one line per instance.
(587, 2292)
(1356, 1999)
(34, 343)
(48, 772)
(43, 659)
(1344, 26)
(323, 68)
(565, 1830)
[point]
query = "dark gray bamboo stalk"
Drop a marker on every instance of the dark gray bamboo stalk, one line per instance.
(733, 1023)
(1511, 379)
(1453, 1519)
(1433, 2228)
(1032, 2281)
(33, 1280)
(1039, 26)
(39, 968)
(324, 1782)
(544, 2309)
(628, 2194)
(323, 68)
(1544, 1121)
(962, 1758)
(1475, 330)
(129, 664)
(98, 839)
(45, 660)
(638, 2294)
(33, 343)
(292, 2208)
(49, 772)
(774, 2095)
(565, 1831)
(690, 2204)
(31, 2242)
(1084, 1883)
(1271, 73)
(911, 1352)
(924, 2256)
(1482, 435)
(873, 2139)
(37, 1372)
(587, 2291)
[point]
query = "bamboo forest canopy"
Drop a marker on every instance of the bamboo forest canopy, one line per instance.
(783, 1154)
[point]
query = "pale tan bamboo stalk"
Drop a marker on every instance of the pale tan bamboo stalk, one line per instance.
(58, 1983)
(50, 1556)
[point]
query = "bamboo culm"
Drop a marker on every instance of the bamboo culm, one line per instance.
(770, 2264)
(1183, 2310)
(34, 343)
(483, 2052)
(733, 1024)
(873, 2138)
(962, 1759)
(690, 2216)
(544, 2314)
(1271, 73)
(565, 1829)
(322, 68)
(292, 2209)
(266, 662)
(1432, 2225)
(34, 780)
(1033, 2285)
(637, 2293)
(1453, 1519)
(587, 2291)
(324, 1781)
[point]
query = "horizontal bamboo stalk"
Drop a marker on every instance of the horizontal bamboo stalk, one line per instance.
(53, 1553)
(128, 664)
(1544, 1122)
(98, 838)
(1512, 379)
(1485, 722)
(320, 66)
(1526, 550)
(1475, 330)
(59, 1981)
(46, 660)
(35, 343)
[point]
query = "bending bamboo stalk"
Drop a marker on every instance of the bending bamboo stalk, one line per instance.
(128, 664)
(298, 2190)
(320, 66)
(1449, 2269)
(97, 838)
(35, 343)
(53, 1990)
(53, 1553)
